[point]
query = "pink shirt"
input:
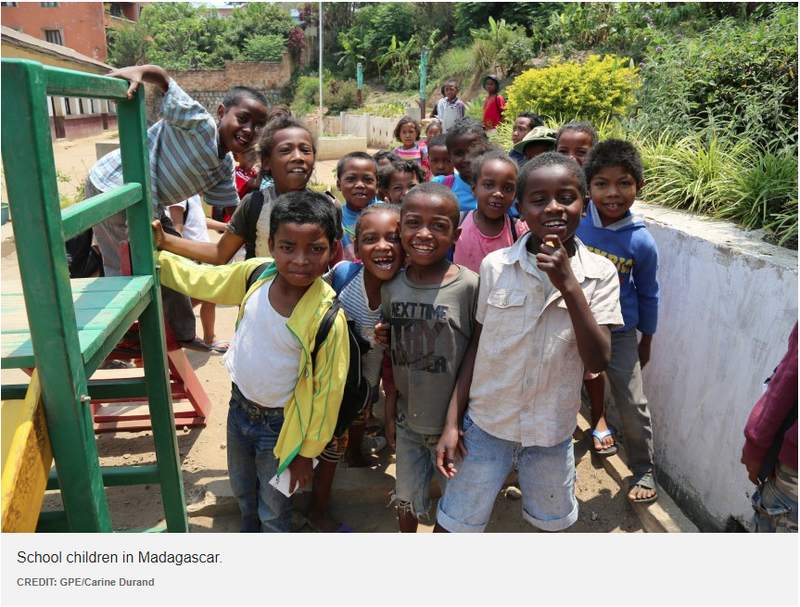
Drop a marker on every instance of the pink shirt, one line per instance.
(472, 246)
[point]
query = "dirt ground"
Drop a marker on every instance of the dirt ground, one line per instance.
(360, 496)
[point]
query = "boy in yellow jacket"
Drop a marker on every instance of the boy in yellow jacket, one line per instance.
(285, 397)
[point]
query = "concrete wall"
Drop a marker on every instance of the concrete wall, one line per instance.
(728, 304)
(378, 131)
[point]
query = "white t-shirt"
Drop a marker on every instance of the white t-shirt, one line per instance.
(264, 356)
(194, 219)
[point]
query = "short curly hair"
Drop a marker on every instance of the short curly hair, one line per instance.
(492, 154)
(581, 127)
(549, 159)
(305, 207)
(430, 189)
(614, 152)
(386, 172)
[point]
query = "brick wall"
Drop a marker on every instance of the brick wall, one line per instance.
(209, 86)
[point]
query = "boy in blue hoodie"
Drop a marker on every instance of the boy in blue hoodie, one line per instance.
(614, 173)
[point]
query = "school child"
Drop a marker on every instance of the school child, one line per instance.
(189, 153)
(407, 132)
(433, 129)
(285, 398)
(524, 124)
(384, 157)
(450, 108)
(191, 223)
(357, 180)
(396, 179)
(359, 287)
(489, 228)
(548, 304)
(287, 156)
(435, 109)
(439, 157)
(430, 306)
(494, 105)
(465, 140)
(540, 140)
(575, 139)
(615, 175)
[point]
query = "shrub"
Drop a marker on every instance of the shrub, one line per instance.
(269, 47)
(591, 91)
(341, 95)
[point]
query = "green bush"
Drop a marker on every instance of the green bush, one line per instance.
(340, 95)
(737, 75)
(593, 91)
(269, 47)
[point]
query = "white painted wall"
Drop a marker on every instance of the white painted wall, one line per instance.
(728, 304)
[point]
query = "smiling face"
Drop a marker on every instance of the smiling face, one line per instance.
(301, 252)
(357, 183)
(432, 131)
(439, 160)
(522, 126)
(551, 205)
(291, 160)
(495, 188)
(378, 244)
(399, 185)
(408, 135)
(240, 124)
(461, 153)
(613, 190)
(428, 228)
(574, 144)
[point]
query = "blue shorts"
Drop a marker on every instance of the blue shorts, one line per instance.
(546, 478)
(416, 464)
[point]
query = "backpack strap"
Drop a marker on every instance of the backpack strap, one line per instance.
(255, 275)
(449, 180)
(343, 274)
(325, 327)
(253, 213)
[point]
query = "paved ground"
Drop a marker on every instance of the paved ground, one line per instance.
(360, 496)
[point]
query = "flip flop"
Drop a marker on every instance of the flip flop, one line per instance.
(220, 346)
(600, 436)
(648, 482)
(195, 344)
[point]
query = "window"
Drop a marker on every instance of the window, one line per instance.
(53, 37)
(48, 4)
(8, 4)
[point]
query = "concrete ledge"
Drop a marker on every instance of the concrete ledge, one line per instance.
(331, 148)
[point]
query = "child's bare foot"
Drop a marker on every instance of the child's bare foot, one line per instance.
(325, 523)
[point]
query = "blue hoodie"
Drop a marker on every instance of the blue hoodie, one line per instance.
(630, 247)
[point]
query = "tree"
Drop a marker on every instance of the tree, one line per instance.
(177, 30)
(127, 45)
(264, 48)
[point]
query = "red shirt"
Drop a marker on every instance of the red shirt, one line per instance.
(493, 109)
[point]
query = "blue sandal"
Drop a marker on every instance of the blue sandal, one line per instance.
(600, 436)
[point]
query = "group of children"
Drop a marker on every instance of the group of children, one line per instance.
(481, 307)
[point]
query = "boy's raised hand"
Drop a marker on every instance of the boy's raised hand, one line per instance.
(449, 448)
(158, 233)
(136, 74)
(554, 261)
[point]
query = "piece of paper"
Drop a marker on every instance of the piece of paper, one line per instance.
(282, 483)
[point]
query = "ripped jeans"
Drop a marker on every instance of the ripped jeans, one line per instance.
(416, 464)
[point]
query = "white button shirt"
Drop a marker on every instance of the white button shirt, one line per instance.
(528, 372)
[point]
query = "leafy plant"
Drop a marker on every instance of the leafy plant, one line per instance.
(593, 91)
(127, 45)
(269, 47)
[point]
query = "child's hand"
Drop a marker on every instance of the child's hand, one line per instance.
(383, 333)
(300, 472)
(137, 74)
(644, 350)
(449, 448)
(158, 233)
(554, 261)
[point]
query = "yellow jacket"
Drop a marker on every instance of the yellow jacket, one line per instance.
(310, 413)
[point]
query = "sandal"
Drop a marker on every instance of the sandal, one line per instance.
(646, 481)
(196, 344)
(600, 436)
(221, 347)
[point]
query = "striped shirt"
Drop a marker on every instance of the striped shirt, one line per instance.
(184, 158)
(415, 154)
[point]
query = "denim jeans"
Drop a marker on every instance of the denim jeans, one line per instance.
(546, 477)
(251, 464)
(416, 464)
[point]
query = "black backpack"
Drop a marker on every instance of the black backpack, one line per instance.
(357, 390)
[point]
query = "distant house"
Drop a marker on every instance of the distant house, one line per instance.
(70, 117)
